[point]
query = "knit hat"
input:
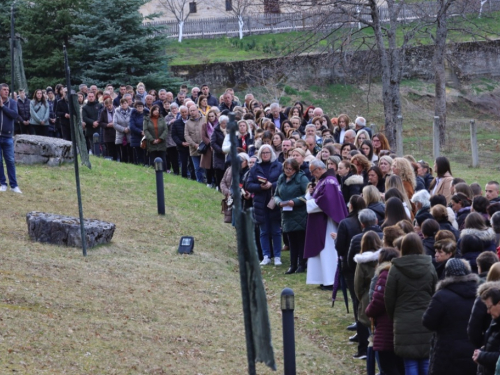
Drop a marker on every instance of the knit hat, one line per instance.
(456, 267)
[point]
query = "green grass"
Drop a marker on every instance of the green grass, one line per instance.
(214, 50)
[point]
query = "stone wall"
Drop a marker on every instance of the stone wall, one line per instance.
(464, 61)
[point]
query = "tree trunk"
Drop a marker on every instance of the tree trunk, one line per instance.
(240, 25)
(181, 26)
(439, 72)
(391, 71)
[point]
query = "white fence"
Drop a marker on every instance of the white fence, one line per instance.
(285, 22)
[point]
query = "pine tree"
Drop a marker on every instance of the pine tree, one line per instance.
(44, 26)
(5, 41)
(117, 48)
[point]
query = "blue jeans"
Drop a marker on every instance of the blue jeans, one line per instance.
(7, 153)
(197, 169)
(271, 228)
(416, 366)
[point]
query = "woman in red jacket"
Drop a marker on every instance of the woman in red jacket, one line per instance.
(390, 363)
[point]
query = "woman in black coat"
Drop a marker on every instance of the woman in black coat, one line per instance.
(218, 156)
(262, 183)
(347, 229)
(448, 315)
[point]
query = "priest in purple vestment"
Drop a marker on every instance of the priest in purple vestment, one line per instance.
(326, 208)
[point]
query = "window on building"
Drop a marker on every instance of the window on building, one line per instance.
(229, 5)
(192, 7)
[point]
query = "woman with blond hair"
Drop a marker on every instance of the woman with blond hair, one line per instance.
(402, 168)
(361, 136)
(373, 201)
(385, 165)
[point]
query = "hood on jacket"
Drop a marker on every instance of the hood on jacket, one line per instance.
(377, 207)
(367, 257)
(413, 266)
(355, 179)
(382, 267)
(449, 282)
(483, 235)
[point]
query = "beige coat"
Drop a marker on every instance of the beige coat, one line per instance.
(443, 187)
(192, 133)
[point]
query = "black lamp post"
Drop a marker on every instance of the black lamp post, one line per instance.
(160, 191)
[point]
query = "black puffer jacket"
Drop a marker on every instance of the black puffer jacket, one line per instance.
(447, 316)
(218, 156)
(347, 229)
(478, 323)
(490, 352)
(178, 133)
(488, 358)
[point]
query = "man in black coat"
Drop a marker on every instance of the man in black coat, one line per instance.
(23, 108)
(487, 356)
(228, 102)
(90, 117)
(368, 220)
(183, 146)
(62, 112)
(276, 116)
(212, 101)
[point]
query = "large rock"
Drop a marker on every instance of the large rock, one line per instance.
(34, 149)
(65, 230)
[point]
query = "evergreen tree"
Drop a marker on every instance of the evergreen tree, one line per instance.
(5, 41)
(45, 25)
(117, 48)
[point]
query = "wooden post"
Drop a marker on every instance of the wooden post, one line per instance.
(473, 144)
(399, 136)
(435, 138)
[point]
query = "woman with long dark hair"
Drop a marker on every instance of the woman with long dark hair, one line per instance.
(39, 113)
(441, 185)
(155, 131)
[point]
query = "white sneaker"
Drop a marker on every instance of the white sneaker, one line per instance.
(277, 261)
(265, 261)
(3, 188)
(16, 190)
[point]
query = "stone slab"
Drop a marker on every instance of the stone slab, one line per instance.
(34, 149)
(65, 230)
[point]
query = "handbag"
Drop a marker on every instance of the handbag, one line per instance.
(144, 143)
(227, 211)
(202, 148)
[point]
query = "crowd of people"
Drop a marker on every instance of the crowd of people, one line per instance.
(415, 245)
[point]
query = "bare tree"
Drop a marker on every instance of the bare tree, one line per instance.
(238, 8)
(181, 11)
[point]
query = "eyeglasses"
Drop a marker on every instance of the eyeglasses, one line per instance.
(289, 169)
(312, 171)
(265, 153)
(488, 308)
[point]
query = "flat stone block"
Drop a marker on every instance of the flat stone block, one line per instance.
(34, 149)
(65, 230)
